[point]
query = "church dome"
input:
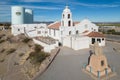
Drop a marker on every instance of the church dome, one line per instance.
(66, 10)
(85, 21)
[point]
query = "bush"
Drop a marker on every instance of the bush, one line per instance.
(117, 33)
(11, 51)
(26, 40)
(2, 50)
(21, 54)
(15, 63)
(2, 36)
(2, 60)
(111, 31)
(38, 48)
(29, 45)
(37, 58)
(1, 41)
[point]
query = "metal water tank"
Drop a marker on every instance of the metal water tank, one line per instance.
(18, 14)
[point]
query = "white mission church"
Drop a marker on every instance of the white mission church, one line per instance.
(76, 35)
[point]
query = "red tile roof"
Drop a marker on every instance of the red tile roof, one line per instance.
(85, 31)
(74, 23)
(56, 25)
(95, 34)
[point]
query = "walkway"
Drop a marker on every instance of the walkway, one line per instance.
(67, 65)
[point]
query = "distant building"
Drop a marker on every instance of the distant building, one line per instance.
(76, 35)
(28, 16)
(106, 28)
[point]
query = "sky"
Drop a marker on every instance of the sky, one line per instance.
(51, 10)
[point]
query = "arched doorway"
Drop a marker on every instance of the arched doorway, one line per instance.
(59, 44)
(69, 32)
(77, 32)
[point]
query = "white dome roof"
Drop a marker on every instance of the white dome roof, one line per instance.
(85, 21)
(66, 9)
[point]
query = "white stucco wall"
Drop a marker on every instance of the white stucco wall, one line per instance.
(17, 29)
(76, 42)
(54, 33)
(80, 43)
(47, 48)
(86, 25)
(32, 30)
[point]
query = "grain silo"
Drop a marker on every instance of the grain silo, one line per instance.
(28, 16)
(18, 14)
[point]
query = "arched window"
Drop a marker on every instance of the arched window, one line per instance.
(102, 63)
(69, 32)
(77, 32)
(62, 23)
(69, 23)
(63, 15)
(68, 16)
(18, 29)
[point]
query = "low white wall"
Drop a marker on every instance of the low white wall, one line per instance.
(67, 42)
(81, 43)
(47, 48)
(76, 43)
(30, 29)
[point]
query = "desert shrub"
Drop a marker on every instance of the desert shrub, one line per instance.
(2, 50)
(29, 45)
(21, 54)
(37, 58)
(2, 60)
(116, 33)
(37, 48)
(11, 51)
(1, 41)
(26, 40)
(2, 35)
(15, 63)
(111, 31)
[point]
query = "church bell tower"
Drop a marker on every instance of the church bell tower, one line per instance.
(66, 18)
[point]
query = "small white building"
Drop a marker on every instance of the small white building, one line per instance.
(76, 35)
(31, 30)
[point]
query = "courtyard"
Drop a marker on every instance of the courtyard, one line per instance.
(68, 63)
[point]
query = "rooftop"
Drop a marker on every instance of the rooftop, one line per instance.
(57, 24)
(95, 34)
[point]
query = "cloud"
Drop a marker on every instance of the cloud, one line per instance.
(4, 15)
(96, 5)
(2, 3)
(51, 1)
(41, 7)
(5, 7)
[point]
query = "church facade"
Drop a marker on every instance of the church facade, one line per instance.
(72, 34)
(66, 32)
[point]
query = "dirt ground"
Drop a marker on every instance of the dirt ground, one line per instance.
(9, 61)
